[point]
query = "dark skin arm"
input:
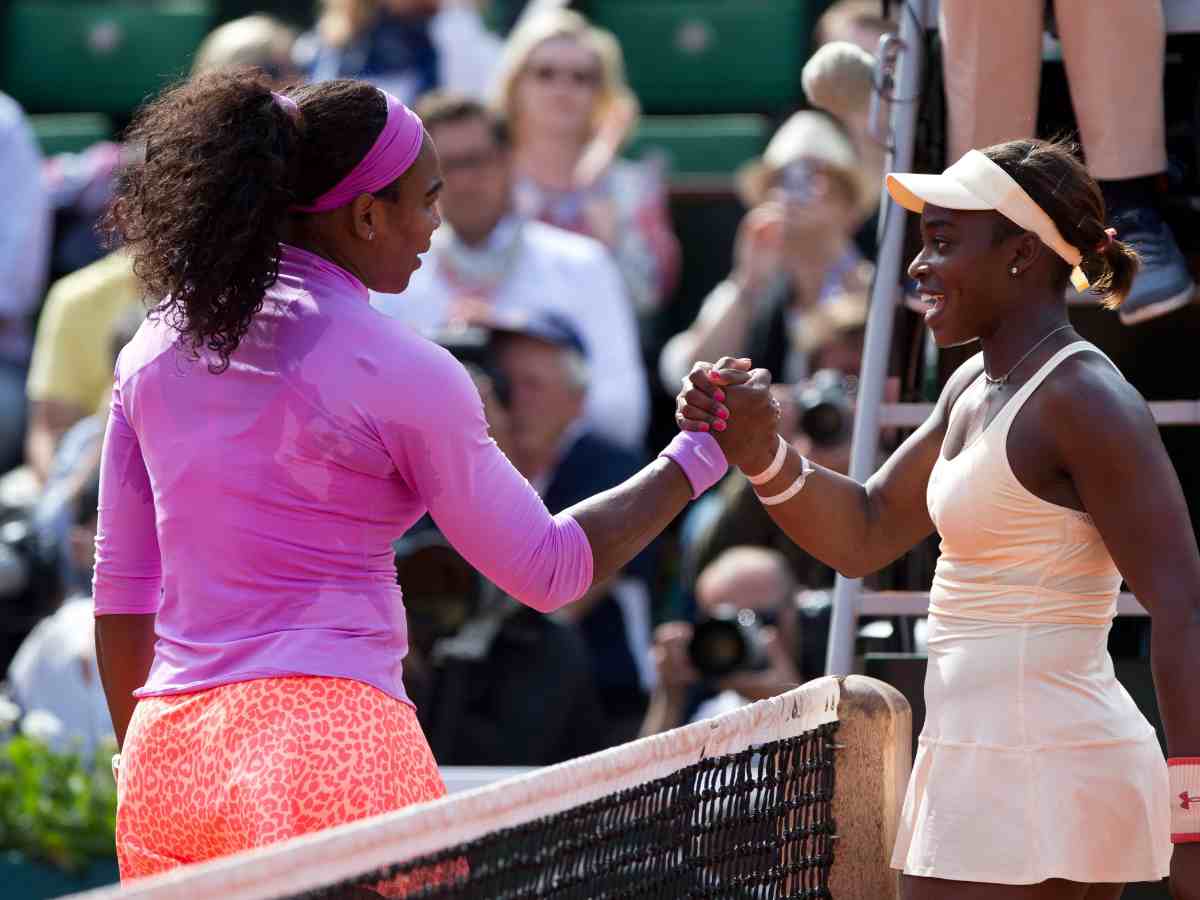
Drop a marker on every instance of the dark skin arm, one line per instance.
(1106, 442)
(855, 528)
(124, 651)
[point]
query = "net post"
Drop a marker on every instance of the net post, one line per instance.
(874, 739)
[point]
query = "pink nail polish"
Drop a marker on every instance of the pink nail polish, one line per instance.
(723, 413)
(704, 426)
(720, 395)
(719, 425)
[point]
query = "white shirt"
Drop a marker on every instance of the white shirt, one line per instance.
(24, 230)
(553, 271)
(55, 671)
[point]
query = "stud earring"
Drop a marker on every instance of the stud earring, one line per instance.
(1013, 270)
(371, 237)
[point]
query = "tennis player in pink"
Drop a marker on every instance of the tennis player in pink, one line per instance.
(1041, 469)
(270, 435)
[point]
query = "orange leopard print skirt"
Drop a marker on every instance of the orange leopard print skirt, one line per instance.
(250, 763)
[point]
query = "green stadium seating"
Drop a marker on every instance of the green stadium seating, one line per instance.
(64, 56)
(700, 145)
(70, 132)
(712, 56)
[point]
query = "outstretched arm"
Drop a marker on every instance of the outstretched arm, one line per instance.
(856, 528)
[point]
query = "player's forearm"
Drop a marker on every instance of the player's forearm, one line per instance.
(1175, 648)
(124, 652)
(622, 521)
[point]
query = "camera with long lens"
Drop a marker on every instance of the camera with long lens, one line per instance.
(825, 405)
(729, 640)
(472, 346)
(30, 581)
(441, 590)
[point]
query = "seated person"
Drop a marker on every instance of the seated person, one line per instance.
(699, 677)
(484, 257)
(405, 47)
(495, 683)
(55, 668)
(546, 374)
(794, 252)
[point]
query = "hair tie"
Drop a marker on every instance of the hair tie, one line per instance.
(1110, 236)
(287, 104)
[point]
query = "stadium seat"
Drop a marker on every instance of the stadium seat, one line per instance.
(700, 145)
(70, 132)
(72, 55)
(712, 56)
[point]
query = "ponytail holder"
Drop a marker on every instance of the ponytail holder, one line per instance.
(287, 104)
(1110, 236)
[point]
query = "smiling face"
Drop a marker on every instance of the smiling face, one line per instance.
(963, 274)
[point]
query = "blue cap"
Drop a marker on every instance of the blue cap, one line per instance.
(551, 327)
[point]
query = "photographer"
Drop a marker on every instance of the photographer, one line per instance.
(495, 683)
(755, 637)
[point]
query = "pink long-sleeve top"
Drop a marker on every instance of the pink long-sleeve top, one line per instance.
(254, 510)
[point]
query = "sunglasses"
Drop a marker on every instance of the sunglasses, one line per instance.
(547, 74)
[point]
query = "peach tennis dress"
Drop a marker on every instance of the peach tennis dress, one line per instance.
(1034, 762)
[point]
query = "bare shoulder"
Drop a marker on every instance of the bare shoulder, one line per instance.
(1088, 403)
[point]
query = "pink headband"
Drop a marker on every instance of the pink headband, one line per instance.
(389, 157)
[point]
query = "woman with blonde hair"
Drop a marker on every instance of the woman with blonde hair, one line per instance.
(562, 90)
(406, 47)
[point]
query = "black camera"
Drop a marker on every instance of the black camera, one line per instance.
(729, 640)
(441, 590)
(825, 405)
(472, 346)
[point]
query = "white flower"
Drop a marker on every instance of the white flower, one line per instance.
(41, 725)
(10, 713)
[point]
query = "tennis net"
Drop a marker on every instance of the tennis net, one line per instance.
(792, 798)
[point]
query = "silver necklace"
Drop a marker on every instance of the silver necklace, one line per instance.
(1003, 379)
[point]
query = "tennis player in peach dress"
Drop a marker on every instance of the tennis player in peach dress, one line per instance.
(1041, 468)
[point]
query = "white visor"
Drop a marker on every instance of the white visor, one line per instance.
(975, 182)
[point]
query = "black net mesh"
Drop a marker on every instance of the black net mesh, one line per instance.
(756, 824)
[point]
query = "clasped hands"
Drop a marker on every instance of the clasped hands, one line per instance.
(733, 402)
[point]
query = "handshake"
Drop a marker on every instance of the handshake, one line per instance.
(734, 403)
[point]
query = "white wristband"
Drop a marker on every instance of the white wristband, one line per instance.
(1185, 798)
(776, 464)
(796, 486)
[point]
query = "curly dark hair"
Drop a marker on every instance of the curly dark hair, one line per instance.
(203, 214)
(1055, 178)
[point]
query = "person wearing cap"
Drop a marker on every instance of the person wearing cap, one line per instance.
(547, 374)
(1043, 473)
(1113, 52)
(794, 252)
(486, 258)
(270, 435)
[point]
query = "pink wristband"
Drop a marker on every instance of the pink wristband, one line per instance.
(701, 458)
(1185, 798)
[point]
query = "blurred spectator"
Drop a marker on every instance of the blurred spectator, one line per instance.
(563, 93)
(543, 365)
(742, 579)
(71, 371)
(495, 683)
(24, 252)
(55, 668)
(794, 253)
(1113, 52)
(485, 258)
(407, 47)
(260, 41)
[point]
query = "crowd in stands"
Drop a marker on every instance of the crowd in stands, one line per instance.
(554, 268)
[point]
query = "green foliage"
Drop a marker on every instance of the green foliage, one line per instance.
(56, 806)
